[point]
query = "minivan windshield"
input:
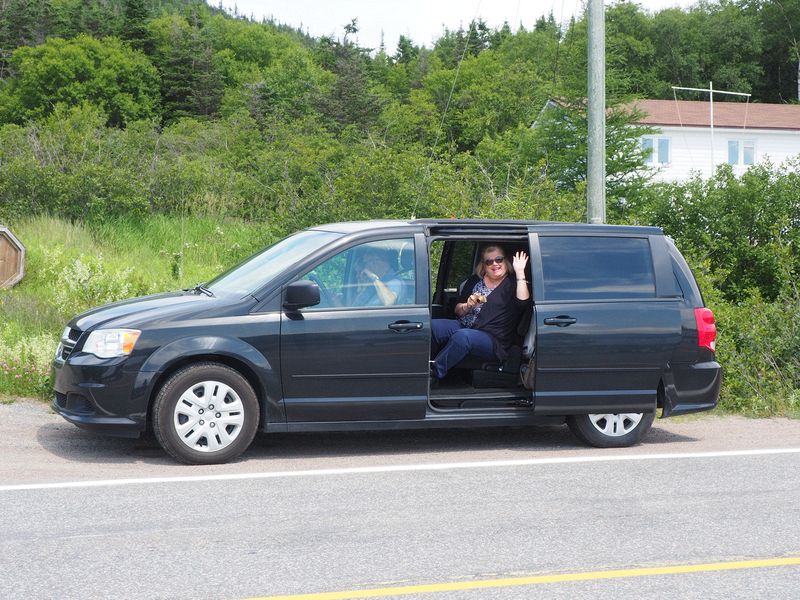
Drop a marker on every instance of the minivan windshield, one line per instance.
(258, 270)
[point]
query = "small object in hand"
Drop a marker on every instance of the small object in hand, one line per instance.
(481, 298)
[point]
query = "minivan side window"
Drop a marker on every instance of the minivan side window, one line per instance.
(596, 268)
(373, 274)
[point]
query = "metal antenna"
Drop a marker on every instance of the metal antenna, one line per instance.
(711, 91)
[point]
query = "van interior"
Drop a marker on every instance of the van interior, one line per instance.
(477, 383)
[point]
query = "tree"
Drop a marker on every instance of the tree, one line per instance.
(746, 229)
(134, 26)
(780, 61)
(559, 149)
(454, 44)
(492, 92)
(191, 82)
(97, 18)
(406, 51)
(630, 53)
(711, 42)
(106, 73)
(351, 99)
(22, 23)
(677, 50)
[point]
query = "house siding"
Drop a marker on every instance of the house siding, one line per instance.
(690, 149)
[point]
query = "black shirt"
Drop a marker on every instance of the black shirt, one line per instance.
(501, 314)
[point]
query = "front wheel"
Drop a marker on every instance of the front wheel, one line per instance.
(615, 430)
(205, 414)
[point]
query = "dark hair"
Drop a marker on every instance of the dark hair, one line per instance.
(383, 253)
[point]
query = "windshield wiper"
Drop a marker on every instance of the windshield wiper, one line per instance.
(203, 290)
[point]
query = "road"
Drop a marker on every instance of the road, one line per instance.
(478, 514)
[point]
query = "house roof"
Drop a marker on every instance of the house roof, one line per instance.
(695, 113)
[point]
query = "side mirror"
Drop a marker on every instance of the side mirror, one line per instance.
(301, 294)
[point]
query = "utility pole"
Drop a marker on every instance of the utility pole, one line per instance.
(596, 169)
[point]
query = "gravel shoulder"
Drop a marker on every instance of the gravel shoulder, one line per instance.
(38, 446)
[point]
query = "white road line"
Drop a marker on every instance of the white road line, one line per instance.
(491, 464)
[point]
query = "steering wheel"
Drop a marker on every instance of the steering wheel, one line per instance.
(326, 297)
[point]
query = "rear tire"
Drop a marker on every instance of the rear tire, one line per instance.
(611, 430)
(205, 414)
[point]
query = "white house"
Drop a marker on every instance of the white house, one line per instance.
(743, 134)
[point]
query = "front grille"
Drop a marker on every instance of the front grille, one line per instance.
(69, 339)
(64, 351)
(74, 403)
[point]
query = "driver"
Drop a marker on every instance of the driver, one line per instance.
(382, 286)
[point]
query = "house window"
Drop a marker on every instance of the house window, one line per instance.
(748, 153)
(656, 149)
(741, 152)
(733, 152)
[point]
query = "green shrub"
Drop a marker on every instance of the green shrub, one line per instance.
(25, 366)
(759, 348)
(87, 282)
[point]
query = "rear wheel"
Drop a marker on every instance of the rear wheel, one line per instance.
(614, 430)
(205, 414)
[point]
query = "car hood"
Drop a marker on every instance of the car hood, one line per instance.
(138, 311)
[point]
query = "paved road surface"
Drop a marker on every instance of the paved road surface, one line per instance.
(328, 513)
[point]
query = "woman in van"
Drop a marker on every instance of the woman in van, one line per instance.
(489, 309)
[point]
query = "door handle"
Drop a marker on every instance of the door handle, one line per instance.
(405, 326)
(560, 321)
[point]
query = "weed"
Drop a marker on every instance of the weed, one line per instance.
(25, 367)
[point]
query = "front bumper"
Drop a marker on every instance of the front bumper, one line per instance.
(100, 395)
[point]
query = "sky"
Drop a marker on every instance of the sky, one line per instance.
(421, 20)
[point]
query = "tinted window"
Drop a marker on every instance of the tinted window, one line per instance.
(596, 268)
(373, 274)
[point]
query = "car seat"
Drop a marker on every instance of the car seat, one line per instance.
(495, 373)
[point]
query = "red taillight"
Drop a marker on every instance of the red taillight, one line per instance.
(706, 328)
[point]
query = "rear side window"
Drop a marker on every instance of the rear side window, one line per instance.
(596, 268)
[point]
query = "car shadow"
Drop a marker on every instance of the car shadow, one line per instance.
(385, 443)
(542, 438)
(76, 445)
(659, 435)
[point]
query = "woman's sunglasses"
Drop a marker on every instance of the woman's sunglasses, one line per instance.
(497, 259)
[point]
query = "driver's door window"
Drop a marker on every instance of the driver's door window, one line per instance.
(372, 274)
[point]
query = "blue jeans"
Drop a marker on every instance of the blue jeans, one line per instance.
(452, 342)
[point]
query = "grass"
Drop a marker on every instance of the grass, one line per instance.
(71, 267)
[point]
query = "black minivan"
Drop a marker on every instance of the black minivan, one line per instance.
(615, 330)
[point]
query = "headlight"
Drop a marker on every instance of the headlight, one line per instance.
(108, 343)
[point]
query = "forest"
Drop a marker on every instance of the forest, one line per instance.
(145, 145)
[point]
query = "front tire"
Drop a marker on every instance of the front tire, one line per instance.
(205, 414)
(616, 430)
